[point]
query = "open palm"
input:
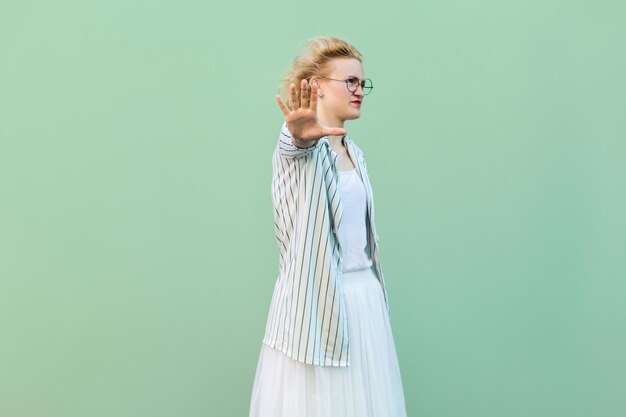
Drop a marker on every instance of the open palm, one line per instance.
(302, 119)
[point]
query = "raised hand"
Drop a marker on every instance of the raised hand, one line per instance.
(302, 119)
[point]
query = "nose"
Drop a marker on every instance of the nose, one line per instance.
(357, 92)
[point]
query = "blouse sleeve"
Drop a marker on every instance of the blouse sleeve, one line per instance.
(286, 147)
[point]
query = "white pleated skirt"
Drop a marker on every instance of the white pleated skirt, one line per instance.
(370, 387)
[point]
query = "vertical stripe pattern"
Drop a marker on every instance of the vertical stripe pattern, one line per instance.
(307, 315)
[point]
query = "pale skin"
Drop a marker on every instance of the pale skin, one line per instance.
(323, 108)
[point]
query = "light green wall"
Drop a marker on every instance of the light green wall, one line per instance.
(137, 256)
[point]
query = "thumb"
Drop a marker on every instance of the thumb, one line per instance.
(334, 131)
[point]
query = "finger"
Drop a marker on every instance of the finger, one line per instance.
(313, 98)
(282, 105)
(304, 94)
(293, 101)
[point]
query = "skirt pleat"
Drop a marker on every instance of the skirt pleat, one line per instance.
(370, 387)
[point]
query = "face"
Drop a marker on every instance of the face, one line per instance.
(338, 103)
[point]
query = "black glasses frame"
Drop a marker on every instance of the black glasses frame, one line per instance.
(370, 87)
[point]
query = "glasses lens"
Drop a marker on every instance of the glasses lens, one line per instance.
(367, 86)
(353, 83)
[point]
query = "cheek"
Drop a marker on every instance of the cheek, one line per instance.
(342, 99)
(340, 93)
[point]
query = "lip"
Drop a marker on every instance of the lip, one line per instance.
(357, 102)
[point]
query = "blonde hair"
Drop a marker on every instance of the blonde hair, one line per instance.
(314, 60)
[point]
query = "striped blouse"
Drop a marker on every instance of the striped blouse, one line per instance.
(307, 315)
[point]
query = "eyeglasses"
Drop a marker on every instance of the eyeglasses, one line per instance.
(352, 83)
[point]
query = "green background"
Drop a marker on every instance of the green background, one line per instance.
(137, 255)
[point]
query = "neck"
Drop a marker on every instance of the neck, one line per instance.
(334, 140)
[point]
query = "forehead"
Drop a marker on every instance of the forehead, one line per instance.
(343, 67)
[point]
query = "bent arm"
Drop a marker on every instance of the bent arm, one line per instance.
(291, 147)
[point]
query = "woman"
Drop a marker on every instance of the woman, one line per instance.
(328, 349)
